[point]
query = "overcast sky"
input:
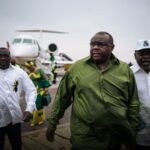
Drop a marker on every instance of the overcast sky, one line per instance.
(126, 20)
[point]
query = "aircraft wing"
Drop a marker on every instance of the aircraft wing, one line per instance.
(42, 30)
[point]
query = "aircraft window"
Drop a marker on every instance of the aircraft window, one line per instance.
(27, 41)
(16, 41)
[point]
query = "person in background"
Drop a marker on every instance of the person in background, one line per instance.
(42, 84)
(13, 62)
(141, 71)
(13, 81)
(53, 68)
(103, 94)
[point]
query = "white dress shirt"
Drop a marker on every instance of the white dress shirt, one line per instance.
(143, 86)
(13, 81)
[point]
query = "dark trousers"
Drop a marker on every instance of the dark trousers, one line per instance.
(14, 136)
(140, 147)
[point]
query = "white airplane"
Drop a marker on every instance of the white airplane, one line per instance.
(25, 48)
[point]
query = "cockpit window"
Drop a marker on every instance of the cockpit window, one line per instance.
(27, 41)
(16, 41)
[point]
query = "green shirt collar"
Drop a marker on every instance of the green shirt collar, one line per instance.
(113, 60)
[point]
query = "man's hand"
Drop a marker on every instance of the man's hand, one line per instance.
(50, 134)
(27, 116)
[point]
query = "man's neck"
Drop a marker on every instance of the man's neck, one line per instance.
(103, 66)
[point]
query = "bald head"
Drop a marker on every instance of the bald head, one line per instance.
(4, 58)
(106, 33)
(4, 51)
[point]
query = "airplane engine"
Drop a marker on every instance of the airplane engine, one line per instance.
(52, 48)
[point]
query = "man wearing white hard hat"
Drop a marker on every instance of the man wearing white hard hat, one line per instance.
(141, 71)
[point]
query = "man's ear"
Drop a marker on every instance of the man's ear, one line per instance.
(112, 46)
(135, 54)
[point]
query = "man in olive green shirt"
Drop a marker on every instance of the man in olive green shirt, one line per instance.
(103, 94)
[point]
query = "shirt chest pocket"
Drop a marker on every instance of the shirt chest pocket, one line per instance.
(116, 86)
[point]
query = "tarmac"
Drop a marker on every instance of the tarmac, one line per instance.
(36, 140)
(33, 138)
